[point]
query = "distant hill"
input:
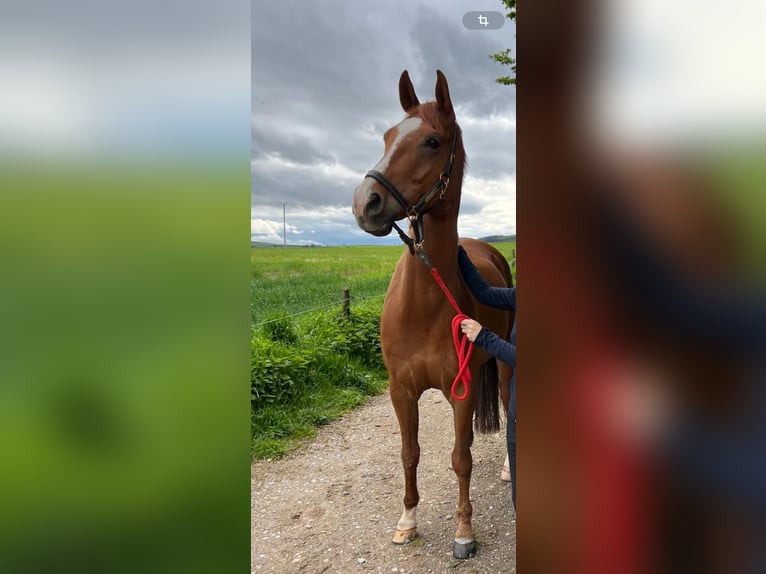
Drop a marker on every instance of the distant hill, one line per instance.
(267, 244)
(499, 238)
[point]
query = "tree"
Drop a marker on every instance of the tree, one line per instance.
(504, 56)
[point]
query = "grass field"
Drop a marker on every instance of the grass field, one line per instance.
(298, 279)
(309, 364)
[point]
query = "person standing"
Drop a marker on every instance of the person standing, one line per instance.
(500, 298)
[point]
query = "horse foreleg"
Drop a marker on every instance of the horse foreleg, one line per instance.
(462, 463)
(406, 407)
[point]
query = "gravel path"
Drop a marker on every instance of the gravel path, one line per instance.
(332, 506)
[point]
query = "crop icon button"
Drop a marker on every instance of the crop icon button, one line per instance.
(483, 20)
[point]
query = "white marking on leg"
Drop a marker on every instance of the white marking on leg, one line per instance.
(408, 519)
(405, 128)
(463, 540)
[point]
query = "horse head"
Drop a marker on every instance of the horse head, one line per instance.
(413, 176)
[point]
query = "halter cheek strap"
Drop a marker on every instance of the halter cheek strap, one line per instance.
(416, 212)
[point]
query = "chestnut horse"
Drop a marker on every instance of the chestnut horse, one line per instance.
(420, 177)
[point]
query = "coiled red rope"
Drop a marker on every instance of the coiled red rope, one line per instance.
(463, 347)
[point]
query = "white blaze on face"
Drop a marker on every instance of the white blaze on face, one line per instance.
(405, 128)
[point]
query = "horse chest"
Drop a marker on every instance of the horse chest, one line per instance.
(418, 357)
(423, 373)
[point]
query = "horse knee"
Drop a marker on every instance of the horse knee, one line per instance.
(462, 462)
(411, 457)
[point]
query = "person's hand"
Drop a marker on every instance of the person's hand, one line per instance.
(470, 328)
(640, 405)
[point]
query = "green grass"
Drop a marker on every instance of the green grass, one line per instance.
(306, 374)
(294, 280)
(285, 426)
(309, 364)
(299, 279)
(121, 368)
(738, 177)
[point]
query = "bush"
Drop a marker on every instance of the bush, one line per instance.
(277, 373)
(305, 377)
(281, 329)
(357, 336)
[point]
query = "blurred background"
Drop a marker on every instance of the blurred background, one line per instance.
(124, 194)
(124, 200)
(641, 154)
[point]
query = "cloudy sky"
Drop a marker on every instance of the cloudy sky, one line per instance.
(325, 88)
(124, 79)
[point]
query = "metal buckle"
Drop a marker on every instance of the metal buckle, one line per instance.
(422, 255)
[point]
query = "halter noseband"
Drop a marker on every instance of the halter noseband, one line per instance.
(416, 212)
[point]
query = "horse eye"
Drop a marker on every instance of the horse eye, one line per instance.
(433, 143)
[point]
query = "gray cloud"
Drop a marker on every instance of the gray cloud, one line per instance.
(129, 79)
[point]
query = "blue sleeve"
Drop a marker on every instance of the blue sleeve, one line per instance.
(498, 297)
(496, 346)
(730, 320)
(731, 467)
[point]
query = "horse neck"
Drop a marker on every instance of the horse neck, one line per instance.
(440, 241)
(440, 244)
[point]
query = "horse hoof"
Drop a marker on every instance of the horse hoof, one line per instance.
(404, 536)
(463, 548)
(505, 474)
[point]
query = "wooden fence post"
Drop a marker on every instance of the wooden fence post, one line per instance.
(346, 302)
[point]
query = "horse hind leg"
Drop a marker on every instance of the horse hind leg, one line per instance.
(406, 408)
(504, 373)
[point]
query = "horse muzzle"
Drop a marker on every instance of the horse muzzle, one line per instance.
(371, 210)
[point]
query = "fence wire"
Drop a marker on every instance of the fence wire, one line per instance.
(352, 299)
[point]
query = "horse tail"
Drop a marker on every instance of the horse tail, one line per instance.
(487, 410)
(507, 272)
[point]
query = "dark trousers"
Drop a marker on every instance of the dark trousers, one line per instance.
(511, 438)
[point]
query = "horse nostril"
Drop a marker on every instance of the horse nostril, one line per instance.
(374, 204)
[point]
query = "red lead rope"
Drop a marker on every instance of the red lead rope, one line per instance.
(463, 354)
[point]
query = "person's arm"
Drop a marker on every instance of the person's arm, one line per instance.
(725, 462)
(496, 346)
(490, 342)
(499, 297)
(729, 319)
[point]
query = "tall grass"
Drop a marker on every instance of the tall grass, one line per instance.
(303, 376)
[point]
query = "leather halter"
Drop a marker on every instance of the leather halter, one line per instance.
(416, 212)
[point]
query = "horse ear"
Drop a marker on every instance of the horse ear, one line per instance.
(407, 96)
(443, 101)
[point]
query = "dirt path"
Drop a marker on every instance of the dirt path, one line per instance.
(332, 506)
